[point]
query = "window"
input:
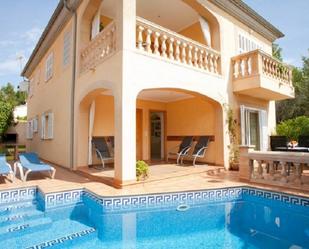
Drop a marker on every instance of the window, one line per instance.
(246, 44)
(47, 125)
(95, 25)
(49, 66)
(66, 48)
(29, 129)
(254, 128)
(35, 125)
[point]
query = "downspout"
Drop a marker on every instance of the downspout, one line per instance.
(72, 116)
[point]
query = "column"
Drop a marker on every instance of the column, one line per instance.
(125, 137)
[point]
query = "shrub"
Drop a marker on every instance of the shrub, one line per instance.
(293, 128)
(141, 170)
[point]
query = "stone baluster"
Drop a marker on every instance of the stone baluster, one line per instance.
(190, 55)
(177, 50)
(259, 169)
(156, 36)
(271, 170)
(298, 173)
(211, 65)
(148, 40)
(171, 48)
(200, 60)
(206, 61)
(163, 46)
(195, 57)
(216, 58)
(140, 30)
(183, 52)
(284, 174)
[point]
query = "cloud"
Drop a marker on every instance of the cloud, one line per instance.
(9, 66)
(32, 35)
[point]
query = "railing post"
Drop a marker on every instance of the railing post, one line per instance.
(245, 166)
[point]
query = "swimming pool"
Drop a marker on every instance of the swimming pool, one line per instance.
(241, 217)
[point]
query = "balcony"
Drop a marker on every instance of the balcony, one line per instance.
(157, 41)
(100, 48)
(259, 75)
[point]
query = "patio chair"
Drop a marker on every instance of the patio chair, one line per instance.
(278, 143)
(30, 162)
(5, 168)
(200, 148)
(303, 141)
(102, 149)
(183, 149)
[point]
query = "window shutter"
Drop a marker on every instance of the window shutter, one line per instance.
(50, 125)
(66, 48)
(95, 26)
(43, 126)
(263, 130)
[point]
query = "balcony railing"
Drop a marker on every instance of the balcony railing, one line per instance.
(101, 47)
(259, 63)
(169, 45)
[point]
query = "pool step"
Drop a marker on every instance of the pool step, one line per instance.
(25, 227)
(22, 216)
(17, 207)
(68, 241)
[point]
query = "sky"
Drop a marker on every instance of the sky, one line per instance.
(23, 21)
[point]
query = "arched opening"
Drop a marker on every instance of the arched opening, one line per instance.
(183, 17)
(167, 116)
(95, 131)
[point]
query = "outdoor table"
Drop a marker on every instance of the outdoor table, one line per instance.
(293, 149)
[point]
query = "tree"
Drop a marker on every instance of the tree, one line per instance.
(9, 98)
(277, 51)
(299, 106)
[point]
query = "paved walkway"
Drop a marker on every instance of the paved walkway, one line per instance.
(165, 178)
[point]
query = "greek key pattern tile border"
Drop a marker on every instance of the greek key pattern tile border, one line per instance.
(166, 199)
(16, 195)
(277, 196)
(64, 198)
(62, 240)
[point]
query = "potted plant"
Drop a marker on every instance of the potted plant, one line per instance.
(141, 170)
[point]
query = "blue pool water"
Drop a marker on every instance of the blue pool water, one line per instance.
(220, 220)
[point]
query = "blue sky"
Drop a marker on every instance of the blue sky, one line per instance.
(22, 22)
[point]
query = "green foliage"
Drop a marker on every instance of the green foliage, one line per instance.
(6, 116)
(291, 108)
(277, 51)
(141, 170)
(232, 131)
(9, 98)
(293, 128)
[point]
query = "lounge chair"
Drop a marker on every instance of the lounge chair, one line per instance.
(30, 162)
(183, 149)
(278, 143)
(5, 168)
(303, 141)
(200, 148)
(102, 149)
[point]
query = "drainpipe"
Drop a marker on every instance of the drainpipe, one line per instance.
(72, 116)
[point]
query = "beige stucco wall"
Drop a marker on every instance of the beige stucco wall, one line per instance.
(125, 75)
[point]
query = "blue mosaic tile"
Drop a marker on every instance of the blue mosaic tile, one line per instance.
(61, 240)
(58, 199)
(277, 196)
(16, 195)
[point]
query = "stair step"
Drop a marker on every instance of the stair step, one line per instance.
(20, 217)
(68, 240)
(24, 228)
(17, 207)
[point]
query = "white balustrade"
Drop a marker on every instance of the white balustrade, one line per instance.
(277, 168)
(257, 62)
(159, 41)
(103, 45)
